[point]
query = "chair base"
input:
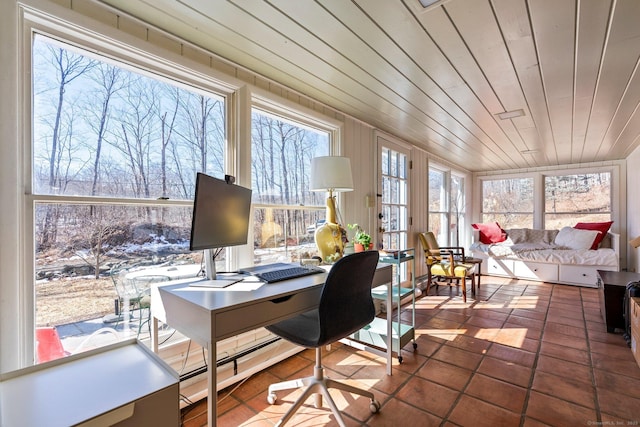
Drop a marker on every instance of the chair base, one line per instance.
(453, 281)
(319, 385)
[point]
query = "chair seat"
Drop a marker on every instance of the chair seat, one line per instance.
(303, 330)
(459, 270)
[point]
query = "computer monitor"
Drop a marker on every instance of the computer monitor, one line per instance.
(221, 212)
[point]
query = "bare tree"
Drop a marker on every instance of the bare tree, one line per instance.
(167, 128)
(109, 81)
(136, 134)
(203, 131)
(68, 67)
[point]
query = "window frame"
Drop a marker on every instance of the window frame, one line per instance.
(535, 202)
(282, 109)
(558, 174)
(448, 174)
(538, 188)
(178, 71)
(158, 62)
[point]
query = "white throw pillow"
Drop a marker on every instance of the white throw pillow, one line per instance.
(575, 238)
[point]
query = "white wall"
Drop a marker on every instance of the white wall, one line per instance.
(633, 209)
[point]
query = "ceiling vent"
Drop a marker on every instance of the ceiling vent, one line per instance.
(511, 114)
(431, 4)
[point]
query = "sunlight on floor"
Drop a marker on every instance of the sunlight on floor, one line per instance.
(445, 334)
(524, 302)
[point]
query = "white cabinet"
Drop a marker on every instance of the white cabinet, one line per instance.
(581, 275)
(536, 271)
(498, 267)
(123, 385)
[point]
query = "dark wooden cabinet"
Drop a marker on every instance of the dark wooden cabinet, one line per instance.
(612, 286)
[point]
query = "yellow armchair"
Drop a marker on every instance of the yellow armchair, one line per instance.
(445, 265)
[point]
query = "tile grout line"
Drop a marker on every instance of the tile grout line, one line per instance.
(523, 417)
(474, 372)
(596, 400)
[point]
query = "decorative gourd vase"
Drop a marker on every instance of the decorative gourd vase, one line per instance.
(331, 237)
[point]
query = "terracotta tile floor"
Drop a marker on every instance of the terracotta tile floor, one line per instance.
(518, 354)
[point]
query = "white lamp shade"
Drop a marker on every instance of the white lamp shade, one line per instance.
(331, 173)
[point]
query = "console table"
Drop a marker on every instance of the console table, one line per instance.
(612, 286)
(123, 384)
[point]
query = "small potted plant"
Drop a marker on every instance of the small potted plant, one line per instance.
(361, 240)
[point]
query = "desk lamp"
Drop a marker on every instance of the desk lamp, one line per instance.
(332, 174)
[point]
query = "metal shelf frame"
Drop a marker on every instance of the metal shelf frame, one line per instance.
(387, 338)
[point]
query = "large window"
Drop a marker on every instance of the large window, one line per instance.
(508, 201)
(114, 157)
(286, 212)
(577, 198)
(550, 200)
(446, 206)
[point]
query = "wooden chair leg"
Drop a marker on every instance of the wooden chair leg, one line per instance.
(473, 283)
(464, 289)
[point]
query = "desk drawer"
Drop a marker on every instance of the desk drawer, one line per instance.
(264, 313)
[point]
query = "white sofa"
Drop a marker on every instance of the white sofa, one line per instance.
(535, 255)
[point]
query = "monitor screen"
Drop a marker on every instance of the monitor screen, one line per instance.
(220, 214)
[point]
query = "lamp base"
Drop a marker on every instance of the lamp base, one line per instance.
(330, 239)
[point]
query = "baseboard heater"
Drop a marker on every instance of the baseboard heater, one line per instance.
(229, 359)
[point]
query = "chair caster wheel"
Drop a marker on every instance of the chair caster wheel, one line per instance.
(415, 345)
(271, 398)
(374, 406)
(399, 359)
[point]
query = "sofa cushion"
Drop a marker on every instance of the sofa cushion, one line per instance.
(518, 235)
(601, 227)
(575, 238)
(490, 232)
(541, 236)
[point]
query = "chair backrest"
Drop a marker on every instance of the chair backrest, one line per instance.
(429, 242)
(346, 305)
(131, 282)
(430, 247)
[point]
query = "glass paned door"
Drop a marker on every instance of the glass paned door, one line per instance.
(394, 201)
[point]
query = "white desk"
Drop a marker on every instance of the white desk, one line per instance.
(210, 315)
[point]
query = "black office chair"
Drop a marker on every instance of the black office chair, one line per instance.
(345, 307)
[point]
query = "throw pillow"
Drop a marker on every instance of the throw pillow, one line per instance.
(601, 227)
(518, 235)
(575, 238)
(490, 232)
(535, 235)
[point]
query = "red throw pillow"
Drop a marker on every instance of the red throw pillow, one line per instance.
(491, 232)
(602, 227)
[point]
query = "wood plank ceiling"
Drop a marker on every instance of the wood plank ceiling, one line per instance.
(438, 76)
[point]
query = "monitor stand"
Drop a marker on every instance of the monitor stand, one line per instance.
(210, 264)
(212, 279)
